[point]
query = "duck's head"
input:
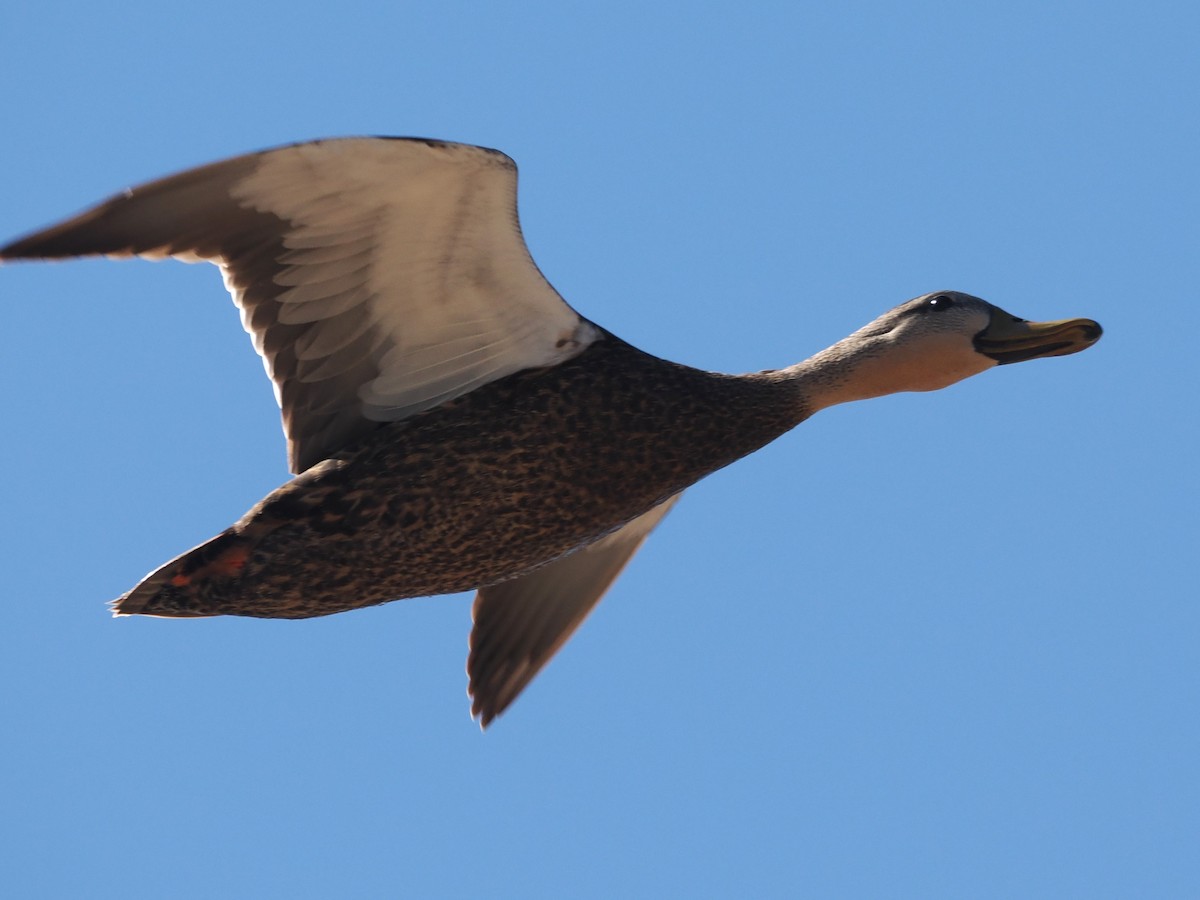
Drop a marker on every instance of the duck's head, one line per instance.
(935, 340)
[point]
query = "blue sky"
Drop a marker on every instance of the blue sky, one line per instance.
(935, 645)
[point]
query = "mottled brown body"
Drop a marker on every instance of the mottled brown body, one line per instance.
(483, 489)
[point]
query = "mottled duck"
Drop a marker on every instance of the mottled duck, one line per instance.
(453, 424)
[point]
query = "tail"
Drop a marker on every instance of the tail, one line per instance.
(194, 584)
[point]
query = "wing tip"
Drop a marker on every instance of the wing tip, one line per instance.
(494, 687)
(482, 716)
(485, 706)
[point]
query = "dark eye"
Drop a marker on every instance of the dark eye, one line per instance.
(939, 302)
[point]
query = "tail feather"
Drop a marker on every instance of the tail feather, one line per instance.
(187, 585)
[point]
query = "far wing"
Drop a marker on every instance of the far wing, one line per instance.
(521, 624)
(378, 277)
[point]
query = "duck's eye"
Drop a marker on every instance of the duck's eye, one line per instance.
(939, 302)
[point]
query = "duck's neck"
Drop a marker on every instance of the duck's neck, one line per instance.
(852, 369)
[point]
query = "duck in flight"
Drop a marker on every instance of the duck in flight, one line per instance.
(452, 423)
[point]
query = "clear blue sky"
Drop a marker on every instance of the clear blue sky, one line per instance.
(940, 645)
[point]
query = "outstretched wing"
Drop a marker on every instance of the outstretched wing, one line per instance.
(378, 277)
(520, 624)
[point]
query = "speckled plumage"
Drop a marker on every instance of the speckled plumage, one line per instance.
(488, 487)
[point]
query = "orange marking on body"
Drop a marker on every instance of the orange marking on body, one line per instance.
(231, 562)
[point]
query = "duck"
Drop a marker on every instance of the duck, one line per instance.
(451, 422)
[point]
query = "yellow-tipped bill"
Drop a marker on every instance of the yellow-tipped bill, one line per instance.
(1008, 339)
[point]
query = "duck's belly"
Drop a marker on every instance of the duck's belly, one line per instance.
(411, 524)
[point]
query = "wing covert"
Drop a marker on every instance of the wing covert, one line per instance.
(378, 277)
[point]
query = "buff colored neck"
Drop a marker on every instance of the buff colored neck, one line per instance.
(866, 365)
